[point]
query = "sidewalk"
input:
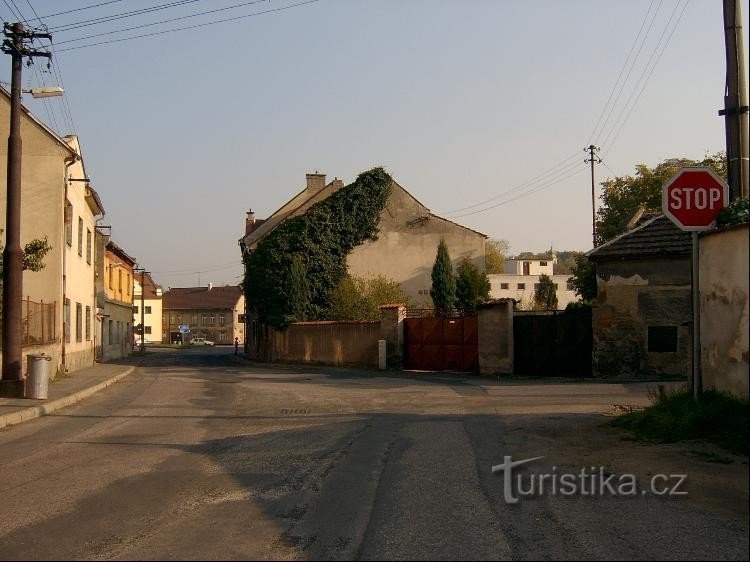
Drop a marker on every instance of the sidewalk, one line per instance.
(62, 392)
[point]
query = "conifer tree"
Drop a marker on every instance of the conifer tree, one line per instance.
(443, 291)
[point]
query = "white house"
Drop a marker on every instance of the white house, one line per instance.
(521, 278)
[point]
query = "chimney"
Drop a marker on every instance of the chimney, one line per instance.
(315, 182)
(337, 184)
(210, 286)
(249, 222)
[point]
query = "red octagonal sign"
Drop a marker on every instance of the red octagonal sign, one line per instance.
(694, 197)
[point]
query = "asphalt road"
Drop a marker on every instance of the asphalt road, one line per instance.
(201, 455)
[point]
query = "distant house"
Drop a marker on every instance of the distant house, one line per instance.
(407, 242)
(114, 285)
(152, 307)
(214, 313)
(57, 203)
(642, 322)
(521, 279)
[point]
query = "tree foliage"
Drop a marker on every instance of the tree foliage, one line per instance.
(545, 294)
(359, 298)
(584, 278)
(737, 212)
(443, 291)
(472, 286)
(623, 196)
(299, 289)
(33, 255)
(495, 251)
(323, 236)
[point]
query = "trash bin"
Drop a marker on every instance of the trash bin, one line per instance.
(37, 380)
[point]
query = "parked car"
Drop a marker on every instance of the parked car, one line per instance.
(201, 341)
(145, 342)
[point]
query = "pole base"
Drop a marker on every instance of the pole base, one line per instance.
(13, 388)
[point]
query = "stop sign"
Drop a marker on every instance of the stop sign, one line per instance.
(694, 197)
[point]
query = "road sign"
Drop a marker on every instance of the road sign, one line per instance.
(184, 329)
(694, 197)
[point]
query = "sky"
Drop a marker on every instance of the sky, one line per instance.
(480, 108)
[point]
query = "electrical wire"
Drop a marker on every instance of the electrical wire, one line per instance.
(122, 15)
(536, 178)
(592, 136)
(298, 4)
(123, 30)
(651, 72)
(48, 16)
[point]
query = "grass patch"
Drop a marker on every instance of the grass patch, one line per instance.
(719, 418)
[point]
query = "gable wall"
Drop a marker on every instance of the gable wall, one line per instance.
(407, 245)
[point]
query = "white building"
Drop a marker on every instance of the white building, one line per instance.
(521, 278)
(152, 309)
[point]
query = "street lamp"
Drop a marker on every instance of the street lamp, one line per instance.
(45, 92)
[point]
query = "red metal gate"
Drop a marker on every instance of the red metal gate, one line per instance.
(441, 344)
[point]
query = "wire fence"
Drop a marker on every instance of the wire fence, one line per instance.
(38, 326)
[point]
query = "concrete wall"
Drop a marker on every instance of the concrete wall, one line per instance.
(332, 343)
(495, 324)
(724, 309)
(536, 267)
(634, 295)
(43, 177)
(525, 296)
(407, 245)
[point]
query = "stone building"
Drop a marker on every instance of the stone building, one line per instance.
(214, 313)
(408, 237)
(642, 322)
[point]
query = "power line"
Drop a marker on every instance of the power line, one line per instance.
(554, 168)
(122, 15)
(624, 66)
(191, 26)
(81, 9)
(207, 269)
(197, 14)
(658, 58)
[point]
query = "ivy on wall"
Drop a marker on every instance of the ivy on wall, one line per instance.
(318, 241)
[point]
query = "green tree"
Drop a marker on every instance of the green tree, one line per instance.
(443, 291)
(584, 278)
(623, 196)
(545, 294)
(299, 289)
(472, 286)
(33, 257)
(495, 251)
(359, 298)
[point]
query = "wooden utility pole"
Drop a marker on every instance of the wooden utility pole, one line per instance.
(594, 159)
(17, 45)
(735, 103)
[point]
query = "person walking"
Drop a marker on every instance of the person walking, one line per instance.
(236, 346)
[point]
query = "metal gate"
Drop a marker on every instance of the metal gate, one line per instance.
(441, 344)
(557, 344)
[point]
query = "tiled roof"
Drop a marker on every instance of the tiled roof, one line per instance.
(656, 237)
(149, 288)
(183, 298)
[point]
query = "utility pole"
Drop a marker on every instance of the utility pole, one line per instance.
(593, 159)
(735, 103)
(18, 44)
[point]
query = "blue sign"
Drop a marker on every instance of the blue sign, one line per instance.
(184, 329)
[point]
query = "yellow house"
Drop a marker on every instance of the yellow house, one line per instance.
(57, 298)
(114, 289)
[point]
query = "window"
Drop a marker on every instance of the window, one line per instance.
(80, 236)
(241, 318)
(135, 310)
(204, 318)
(66, 321)
(211, 320)
(522, 286)
(526, 268)
(662, 339)
(129, 283)
(111, 332)
(147, 310)
(147, 329)
(79, 322)
(543, 263)
(504, 285)
(222, 336)
(111, 276)
(221, 319)
(68, 223)
(88, 246)
(119, 280)
(88, 323)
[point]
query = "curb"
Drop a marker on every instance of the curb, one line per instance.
(34, 412)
